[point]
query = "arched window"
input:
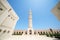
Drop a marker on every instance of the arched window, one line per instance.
(9, 9)
(8, 31)
(0, 30)
(35, 32)
(8, 15)
(38, 32)
(26, 32)
(41, 32)
(1, 9)
(17, 33)
(22, 32)
(4, 31)
(30, 32)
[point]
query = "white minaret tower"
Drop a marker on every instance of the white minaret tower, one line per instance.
(30, 19)
(30, 29)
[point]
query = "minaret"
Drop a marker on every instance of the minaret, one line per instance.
(30, 19)
(30, 29)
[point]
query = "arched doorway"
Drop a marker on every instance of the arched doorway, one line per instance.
(30, 32)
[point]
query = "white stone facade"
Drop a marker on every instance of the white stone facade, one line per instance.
(8, 19)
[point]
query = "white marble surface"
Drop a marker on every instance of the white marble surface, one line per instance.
(30, 37)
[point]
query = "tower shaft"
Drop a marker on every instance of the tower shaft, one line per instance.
(30, 19)
(30, 29)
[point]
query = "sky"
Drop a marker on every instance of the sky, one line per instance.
(43, 18)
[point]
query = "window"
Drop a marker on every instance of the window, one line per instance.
(8, 31)
(35, 32)
(26, 32)
(9, 10)
(30, 32)
(0, 30)
(38, 32)
(41, 32)
(1, 9)
(4, 31)
(22, 32)
(17, 33)
(8, 15)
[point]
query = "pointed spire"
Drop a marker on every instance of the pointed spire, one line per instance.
(30, 12)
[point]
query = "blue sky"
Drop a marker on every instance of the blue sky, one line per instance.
(43, 18)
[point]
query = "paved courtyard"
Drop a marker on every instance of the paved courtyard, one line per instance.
(31, 37)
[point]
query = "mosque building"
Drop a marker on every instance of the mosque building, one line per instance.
(8, 20)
